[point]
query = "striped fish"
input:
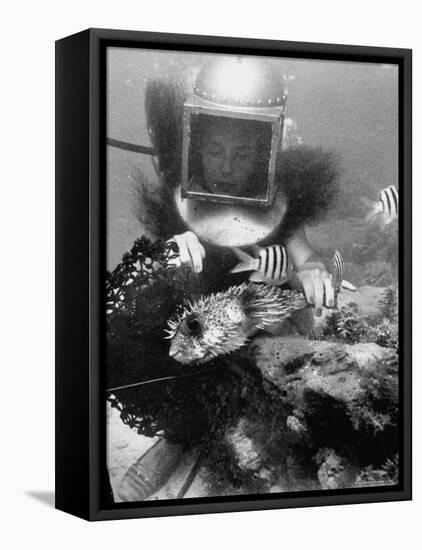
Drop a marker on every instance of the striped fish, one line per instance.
(385, 209)
(270, 264)
(337, 264)
(337, 281)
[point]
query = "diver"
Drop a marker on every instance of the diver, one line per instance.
(239, 180)
(231, 175)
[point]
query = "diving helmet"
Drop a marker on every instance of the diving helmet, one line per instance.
(232, 132)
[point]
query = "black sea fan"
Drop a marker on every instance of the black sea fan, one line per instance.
(143, 292)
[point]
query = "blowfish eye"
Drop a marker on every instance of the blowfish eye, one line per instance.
(193, 326)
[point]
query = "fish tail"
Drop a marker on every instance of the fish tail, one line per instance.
(247, 262)
(373, 208)
(381, 220)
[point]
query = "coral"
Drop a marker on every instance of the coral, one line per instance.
(347, 324)
(350, 325)
(386, 474)
(385, 333)
(389, 304)
(331, 469)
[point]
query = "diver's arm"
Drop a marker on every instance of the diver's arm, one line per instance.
(311, 271)
(300, 251)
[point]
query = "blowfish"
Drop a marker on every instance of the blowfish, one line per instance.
(385, 209)
(223, 322)
(271, 265)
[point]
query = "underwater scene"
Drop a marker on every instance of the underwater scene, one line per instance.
(252, 275)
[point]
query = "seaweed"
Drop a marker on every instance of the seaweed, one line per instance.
(349, 325)
(389, 304)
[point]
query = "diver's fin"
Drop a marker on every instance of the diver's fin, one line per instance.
(247, 262)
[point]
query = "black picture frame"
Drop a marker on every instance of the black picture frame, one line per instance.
(81, 482)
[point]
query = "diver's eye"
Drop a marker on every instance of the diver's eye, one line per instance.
(193, 326)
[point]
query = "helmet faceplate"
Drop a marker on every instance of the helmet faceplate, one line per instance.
(232, 131)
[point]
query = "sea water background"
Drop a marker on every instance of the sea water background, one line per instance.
(350, 108)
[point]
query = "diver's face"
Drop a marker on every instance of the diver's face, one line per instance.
(228, 158)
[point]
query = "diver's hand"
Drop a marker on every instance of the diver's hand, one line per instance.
(317, 285)
(191, 251)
